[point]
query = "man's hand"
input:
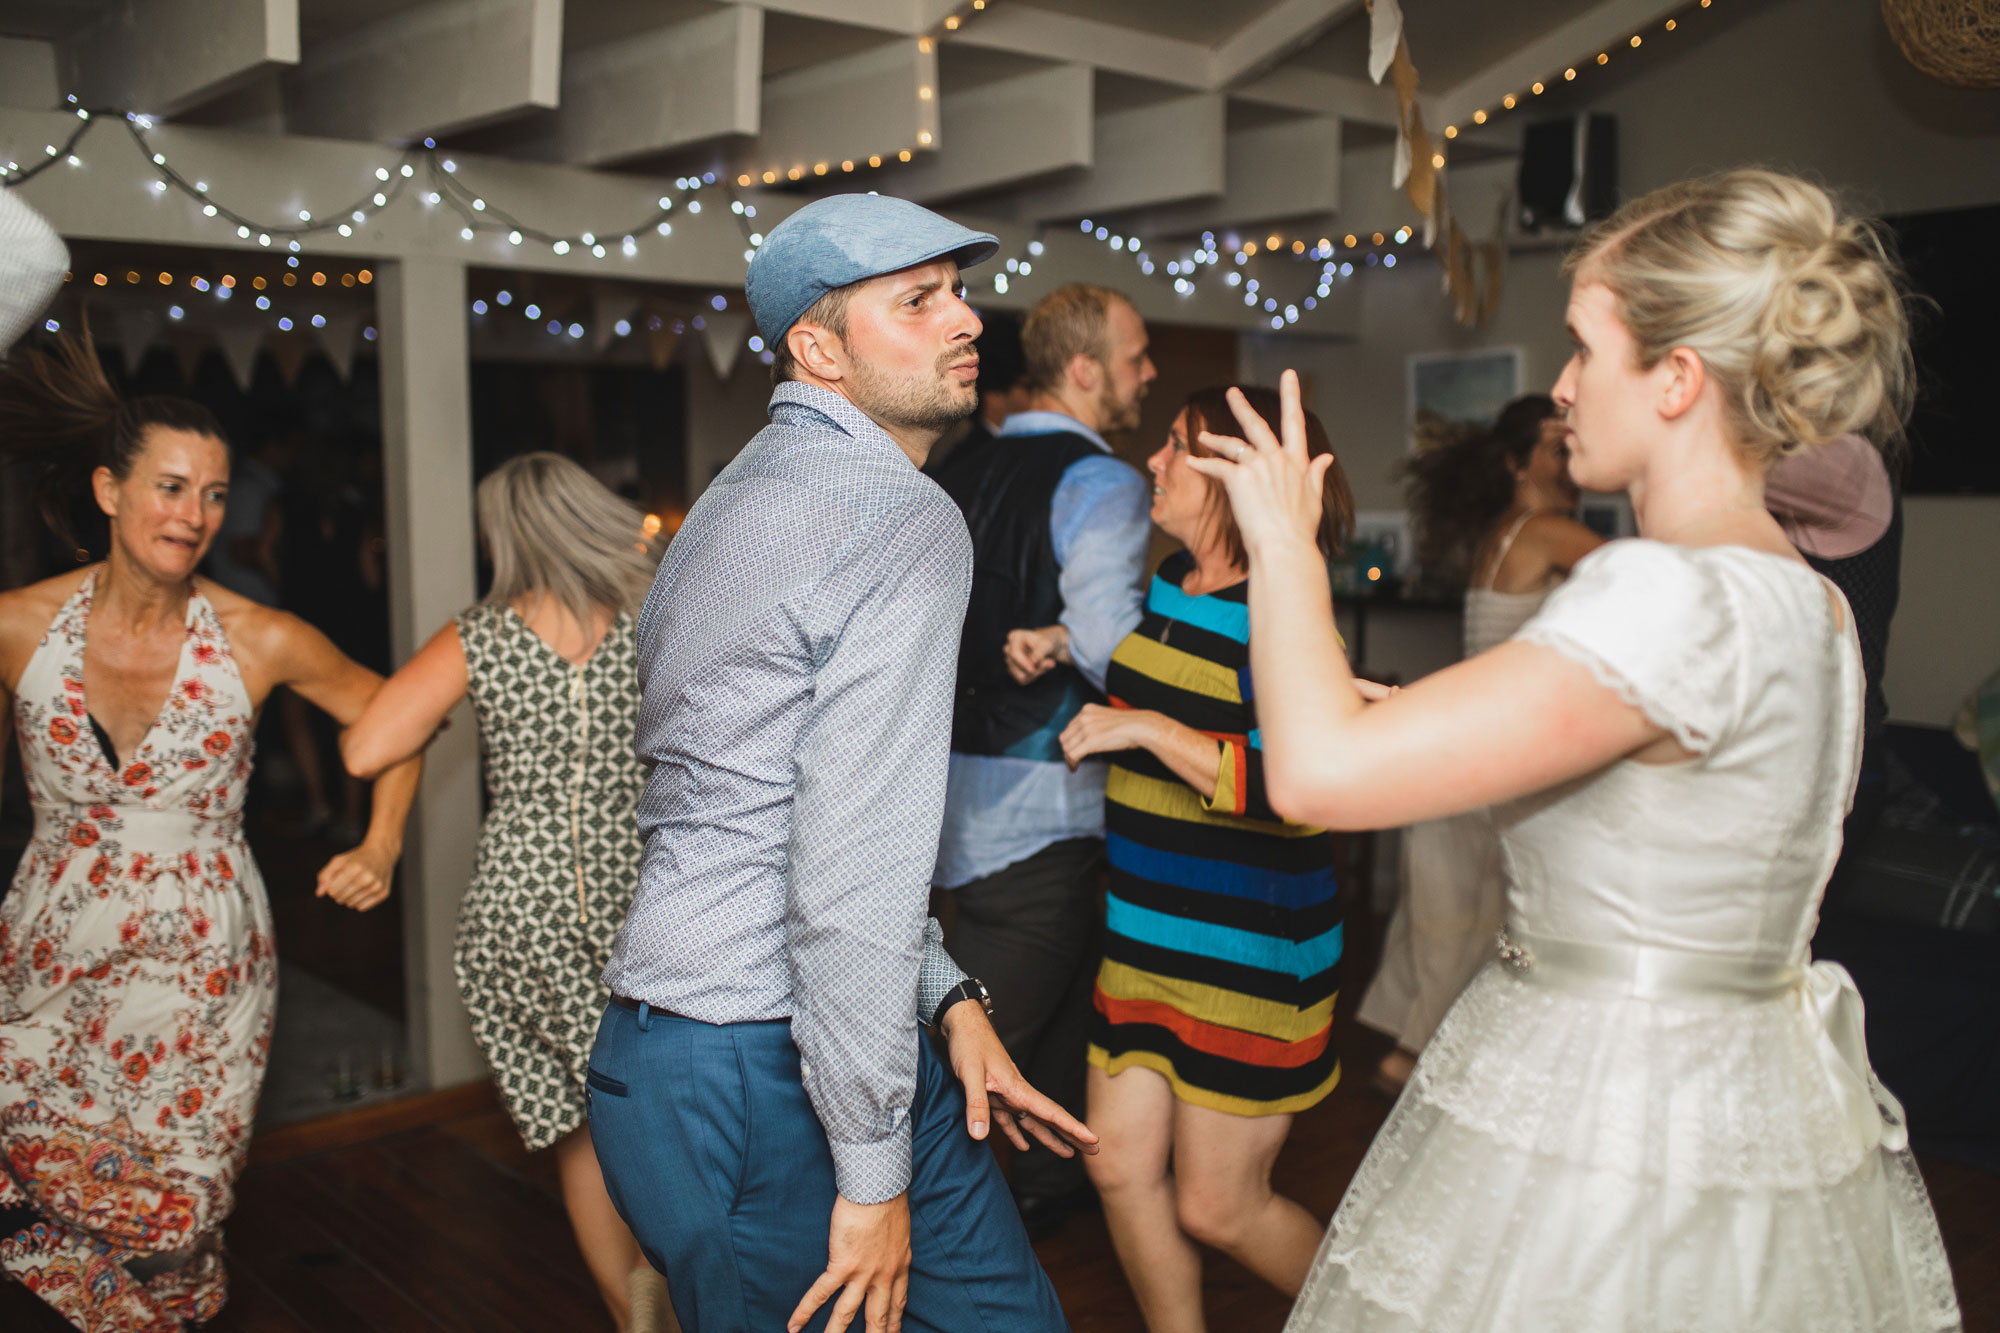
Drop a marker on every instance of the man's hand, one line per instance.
(1033, 653)
(995, 1090)
(867, 1259)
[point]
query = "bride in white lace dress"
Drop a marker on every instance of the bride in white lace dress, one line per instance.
(1656, 1112)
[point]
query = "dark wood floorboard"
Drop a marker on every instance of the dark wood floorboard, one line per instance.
(451, 1227)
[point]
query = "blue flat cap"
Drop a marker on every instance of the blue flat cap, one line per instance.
(843, 239)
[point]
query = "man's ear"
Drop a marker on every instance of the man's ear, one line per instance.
(1683, 385)
(1084, 372)
(817, 351)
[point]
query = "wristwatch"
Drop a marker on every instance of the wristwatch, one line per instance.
(972, 988)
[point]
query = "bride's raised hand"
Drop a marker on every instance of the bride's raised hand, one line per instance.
(1275, 489)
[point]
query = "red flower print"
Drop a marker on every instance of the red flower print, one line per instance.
(62, 731)
(217, 743)
(102, 812)
(218, 982)
(137, 1067)
(192, 764)
(222, 866)
(201, 926)
(45, 953)
(189, 1102)
(205, 653)
(192, 689)
(136, 775)
(128, 932)
(100, 869)
(118, 1049)
(83, 835)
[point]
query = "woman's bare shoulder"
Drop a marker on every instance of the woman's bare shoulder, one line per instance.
(25, 613)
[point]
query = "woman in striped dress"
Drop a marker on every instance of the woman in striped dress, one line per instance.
(1214, 1003)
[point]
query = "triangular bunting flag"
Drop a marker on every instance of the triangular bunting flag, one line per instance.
(661, 344)
(189, 346)
(136, 331)
(337, 339)
(724, 334)
(608, 306)
(240, 346)
(289, 351)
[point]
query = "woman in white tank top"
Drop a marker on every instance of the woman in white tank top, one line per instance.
(1496, 505)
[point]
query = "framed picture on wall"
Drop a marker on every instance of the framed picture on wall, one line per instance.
(1467, 387)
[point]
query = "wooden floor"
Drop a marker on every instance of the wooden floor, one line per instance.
(367, 1223)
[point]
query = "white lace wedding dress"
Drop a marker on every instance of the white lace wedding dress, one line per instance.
(1655, 1113)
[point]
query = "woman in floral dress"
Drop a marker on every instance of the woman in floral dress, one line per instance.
(137, 974)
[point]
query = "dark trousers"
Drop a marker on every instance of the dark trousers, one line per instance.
(713, 1156)
(1031, 933)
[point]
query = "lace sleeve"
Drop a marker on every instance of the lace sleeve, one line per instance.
(1654, 626)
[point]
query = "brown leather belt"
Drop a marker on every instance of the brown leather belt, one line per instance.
(627, 1002)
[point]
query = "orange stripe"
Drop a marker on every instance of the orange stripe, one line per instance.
(1229, 1043)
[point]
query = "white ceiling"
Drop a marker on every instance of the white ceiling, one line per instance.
(1043, 109)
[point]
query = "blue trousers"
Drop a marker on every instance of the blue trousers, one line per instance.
(713, 1156)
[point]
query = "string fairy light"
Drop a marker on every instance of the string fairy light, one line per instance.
(1568, 74)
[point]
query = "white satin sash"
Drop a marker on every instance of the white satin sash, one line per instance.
(1644, 972)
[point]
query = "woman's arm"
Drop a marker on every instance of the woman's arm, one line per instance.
(1512, 721)
(409, 709)
(1195, 758)
(293, 653)
(1563, 541)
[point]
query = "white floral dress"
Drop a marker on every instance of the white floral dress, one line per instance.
(137, 986)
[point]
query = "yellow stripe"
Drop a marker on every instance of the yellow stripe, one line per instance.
(1212, 1004)
(1171, 666)
(1227, 800)
(1177, 800)
(1214, 1101)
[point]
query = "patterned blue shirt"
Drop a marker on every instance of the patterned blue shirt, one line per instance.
(797, 660)
(1000, 809)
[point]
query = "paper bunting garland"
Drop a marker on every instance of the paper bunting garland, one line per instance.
(1472, 271)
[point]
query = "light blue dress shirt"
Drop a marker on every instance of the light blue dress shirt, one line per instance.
(999, 809)
(797, 660)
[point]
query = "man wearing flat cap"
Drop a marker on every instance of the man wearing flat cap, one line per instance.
(761, 1067)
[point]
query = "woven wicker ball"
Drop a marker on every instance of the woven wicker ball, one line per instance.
(1954, 41)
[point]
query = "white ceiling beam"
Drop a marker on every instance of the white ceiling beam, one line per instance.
(1606, 27)
(164, 56)
(1273, 35)
(28, 74)
(1007, 131)
(903, 16)
(1052, 36)
(1273, 172)
(1325, 94)
(881, 101)
(1157, 154)
(434, 69)
(674, 86)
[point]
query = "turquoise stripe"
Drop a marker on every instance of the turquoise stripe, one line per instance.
(1257, 738)
(1229, 619)
(1229, 878)
(1223, 943)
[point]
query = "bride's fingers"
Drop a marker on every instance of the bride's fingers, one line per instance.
(1292, 415)
(1255, 429)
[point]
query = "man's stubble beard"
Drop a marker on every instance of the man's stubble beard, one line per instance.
(1118, 415)
(934, 404)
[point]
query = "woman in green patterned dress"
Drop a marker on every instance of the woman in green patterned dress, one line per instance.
(547, 659)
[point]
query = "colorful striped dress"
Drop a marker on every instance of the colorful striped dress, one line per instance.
(1223, 940)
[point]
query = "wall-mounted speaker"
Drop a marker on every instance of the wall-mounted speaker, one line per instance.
(1569, 172)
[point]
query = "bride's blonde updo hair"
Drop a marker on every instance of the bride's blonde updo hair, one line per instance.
(1796, 310)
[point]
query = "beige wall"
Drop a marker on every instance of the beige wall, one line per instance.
(1808, 85)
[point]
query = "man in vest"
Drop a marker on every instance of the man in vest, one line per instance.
(1059, 535)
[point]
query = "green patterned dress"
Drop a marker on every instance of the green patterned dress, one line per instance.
(558, 858)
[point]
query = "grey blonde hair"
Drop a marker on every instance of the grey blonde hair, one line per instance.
(1796, 309)
(553, 530)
